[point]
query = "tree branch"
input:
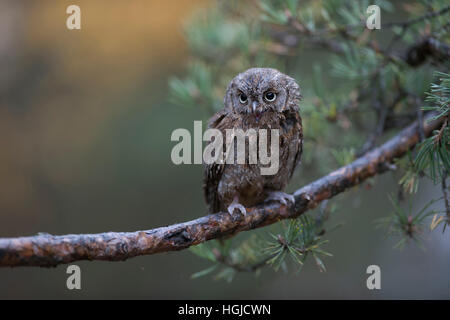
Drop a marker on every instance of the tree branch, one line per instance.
(48, 250)
(428, 15)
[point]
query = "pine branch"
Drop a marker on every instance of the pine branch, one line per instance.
(426, 16)
(414, 56)
(48, 250)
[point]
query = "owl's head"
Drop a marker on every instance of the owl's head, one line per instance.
(259, 90)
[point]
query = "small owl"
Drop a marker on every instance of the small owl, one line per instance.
(259, 98)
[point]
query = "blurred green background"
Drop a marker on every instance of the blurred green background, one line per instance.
(85, 128)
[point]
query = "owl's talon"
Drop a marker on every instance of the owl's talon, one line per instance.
(281, 197)
(238, 206)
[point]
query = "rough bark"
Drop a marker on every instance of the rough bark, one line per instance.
(50, 250)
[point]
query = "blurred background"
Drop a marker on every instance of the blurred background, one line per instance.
(85, 125)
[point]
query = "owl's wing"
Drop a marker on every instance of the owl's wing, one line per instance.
(213, 172)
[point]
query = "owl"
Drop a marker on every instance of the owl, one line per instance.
(259, 98)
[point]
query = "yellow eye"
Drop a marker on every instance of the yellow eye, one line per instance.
(270, 96)
(242, 98)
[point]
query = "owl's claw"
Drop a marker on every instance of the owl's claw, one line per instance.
(281, 197)
(236, 205)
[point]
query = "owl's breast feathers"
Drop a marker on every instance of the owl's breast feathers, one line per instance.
(234, 178)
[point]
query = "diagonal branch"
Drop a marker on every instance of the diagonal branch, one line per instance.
(426, 16)
(48, 250)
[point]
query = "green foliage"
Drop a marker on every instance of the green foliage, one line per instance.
(229, 259)
(298, 239)
(433, 155)
(404, 224)
(432, 159)
(410, 180)
(196, 90)
(439, 95)
(343, 156)
(355, 64)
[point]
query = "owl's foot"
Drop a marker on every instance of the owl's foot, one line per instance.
(236, 205)
(281, 197)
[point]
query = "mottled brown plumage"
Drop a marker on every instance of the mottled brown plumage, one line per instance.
(259, 98)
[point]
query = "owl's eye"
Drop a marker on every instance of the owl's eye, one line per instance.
(270, 96)
(242, 98)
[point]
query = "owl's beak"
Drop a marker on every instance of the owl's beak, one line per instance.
(257, 114)
(254, 106)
